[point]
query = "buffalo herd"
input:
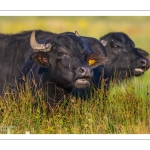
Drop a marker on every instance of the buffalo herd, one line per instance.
(67, 64)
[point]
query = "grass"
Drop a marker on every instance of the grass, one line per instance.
(126, 108)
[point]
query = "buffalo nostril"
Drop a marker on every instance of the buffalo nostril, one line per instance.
(82, 70)
(143, 62)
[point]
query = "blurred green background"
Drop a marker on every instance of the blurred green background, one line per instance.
(137, 27)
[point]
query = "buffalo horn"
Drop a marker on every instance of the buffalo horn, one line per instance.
(77, 34)
(104, 42)
(38, 47)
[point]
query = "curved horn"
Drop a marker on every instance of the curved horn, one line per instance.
(36, 46)
(77, 34)
(103, 42)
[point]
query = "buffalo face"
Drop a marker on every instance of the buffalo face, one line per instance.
(126, 59)
(66, 61)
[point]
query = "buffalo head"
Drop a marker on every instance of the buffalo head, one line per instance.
(66, 60)
(126, 59)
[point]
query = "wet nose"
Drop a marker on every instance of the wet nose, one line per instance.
(143, 62)
(84, 71)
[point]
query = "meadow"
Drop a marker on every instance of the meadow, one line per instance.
(126, 109)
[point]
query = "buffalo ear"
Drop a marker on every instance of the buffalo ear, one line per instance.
(95, 60)
(41, 58)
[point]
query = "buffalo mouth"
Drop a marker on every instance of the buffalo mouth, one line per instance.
(82, 83)
(139, 71)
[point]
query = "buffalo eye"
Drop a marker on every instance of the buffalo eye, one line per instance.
(131, 44)
(60, 54)
(117, 47)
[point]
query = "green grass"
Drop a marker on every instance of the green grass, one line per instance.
(127, 107)
(125, 110)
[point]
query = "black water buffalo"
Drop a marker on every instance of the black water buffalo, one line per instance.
(100, 73)
(56, 64)
(93, 45)
(126, 59)
(14, 52)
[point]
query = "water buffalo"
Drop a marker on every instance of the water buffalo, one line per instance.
(100, 76)
(56, 63)
(14, 53)
(126, 60)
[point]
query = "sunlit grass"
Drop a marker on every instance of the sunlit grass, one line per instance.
(125, 110)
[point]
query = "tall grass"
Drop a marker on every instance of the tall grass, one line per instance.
(126, 108)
